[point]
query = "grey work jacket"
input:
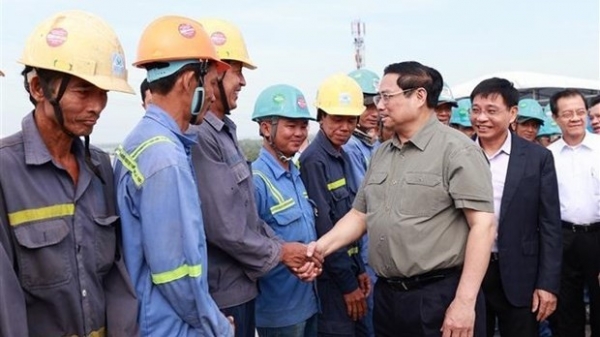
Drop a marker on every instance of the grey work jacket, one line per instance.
(241, 247)
(61, 270)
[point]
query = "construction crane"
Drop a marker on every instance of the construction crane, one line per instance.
(358, 33)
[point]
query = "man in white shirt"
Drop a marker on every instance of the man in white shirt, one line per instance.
(577, 157)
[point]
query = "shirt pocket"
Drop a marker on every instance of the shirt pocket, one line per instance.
(43, 253)
(422, 194)
(374, 190)
(284, 222)
(105, 242)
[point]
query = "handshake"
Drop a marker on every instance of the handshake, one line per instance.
(304, 261)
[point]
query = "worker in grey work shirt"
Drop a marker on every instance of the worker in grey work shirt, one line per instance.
(427, 202)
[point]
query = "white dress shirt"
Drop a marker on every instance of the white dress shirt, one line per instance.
(578, 174)
(499, 167)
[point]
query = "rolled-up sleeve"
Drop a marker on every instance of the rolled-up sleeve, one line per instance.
(470, 180)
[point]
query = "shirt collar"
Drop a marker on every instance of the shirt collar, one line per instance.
(36, 152)
(505, 148)
(274, 165)
(423, 136)
(159, 115)
(324, 142)
(588, 142)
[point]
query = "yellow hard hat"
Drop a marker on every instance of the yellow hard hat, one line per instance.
(340, 95)
(176, 38)
(228, 41)
(80, 44)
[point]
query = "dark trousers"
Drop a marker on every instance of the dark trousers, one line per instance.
(419, 312)
(512, 321)
(243, 316)
(333, 320)
(581, 265)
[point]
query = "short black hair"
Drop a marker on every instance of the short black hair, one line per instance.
(163, 86)
(143, 87)
(415, 75)
(569, 92)
(497, 86)
(594, 101)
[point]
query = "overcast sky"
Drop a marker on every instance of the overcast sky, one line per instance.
(302, 42)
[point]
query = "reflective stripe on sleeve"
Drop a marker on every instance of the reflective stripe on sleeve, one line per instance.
(177, 273)
(336, 184)
(129, 160)
(42, 213)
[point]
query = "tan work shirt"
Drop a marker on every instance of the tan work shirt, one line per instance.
(413, 194)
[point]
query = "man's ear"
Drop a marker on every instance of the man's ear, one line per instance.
(186, 81)
(35, 89)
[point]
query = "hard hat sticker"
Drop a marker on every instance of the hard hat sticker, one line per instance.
(301, 102)
(187, 30)
(278, 98)
(118, 64)
(344, 98)
(56, 37)
(218, 38)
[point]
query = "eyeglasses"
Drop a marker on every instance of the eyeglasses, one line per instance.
(385, 96)
(489, 113)
(570, 114)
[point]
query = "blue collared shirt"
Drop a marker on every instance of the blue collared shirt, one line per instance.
(163, 234)
(282, 202)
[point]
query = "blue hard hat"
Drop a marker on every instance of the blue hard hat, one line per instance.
(460, 114)
(368, 80)
(549, 128)
(530, 109)
(281, 100)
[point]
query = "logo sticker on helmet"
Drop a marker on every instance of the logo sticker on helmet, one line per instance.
(56, 37)
(301, 102)
(118, 64)
(344, 98)
(278, 98)
(187, 30)
(218, 38)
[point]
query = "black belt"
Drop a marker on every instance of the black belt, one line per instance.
(413, 282)
(581, 228)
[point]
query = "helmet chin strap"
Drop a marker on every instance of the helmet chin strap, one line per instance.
(223, 95)
(270, 138)
(198, 102)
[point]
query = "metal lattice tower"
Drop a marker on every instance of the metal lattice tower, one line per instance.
(358, 33)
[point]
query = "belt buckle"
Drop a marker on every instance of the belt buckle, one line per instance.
(403, 284)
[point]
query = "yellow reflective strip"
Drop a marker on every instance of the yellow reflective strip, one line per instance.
(131, 166)
(176, 274)
(138, 150)
(352, 251)
(336, 184)
(283, 206)
(42, 213)
(304, 194)
(270, 186)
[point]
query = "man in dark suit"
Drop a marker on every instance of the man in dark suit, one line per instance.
(523, 277)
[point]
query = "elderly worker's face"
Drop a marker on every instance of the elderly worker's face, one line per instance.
(338, 129)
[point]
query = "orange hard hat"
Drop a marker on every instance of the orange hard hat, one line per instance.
(176, 38)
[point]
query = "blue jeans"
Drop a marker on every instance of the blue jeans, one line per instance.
(307, 328)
